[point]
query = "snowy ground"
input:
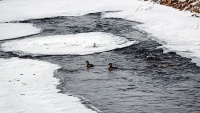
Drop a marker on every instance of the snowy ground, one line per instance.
(80, 44)
(15, 30)
(28, 86)
(178, 31)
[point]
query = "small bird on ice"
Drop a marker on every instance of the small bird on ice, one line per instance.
(94, 45)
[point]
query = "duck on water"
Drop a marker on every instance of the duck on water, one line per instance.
(110, 68)
(88, 64)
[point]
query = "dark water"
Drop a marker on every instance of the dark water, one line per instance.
(147, 81)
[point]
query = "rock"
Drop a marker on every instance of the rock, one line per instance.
(172, 53)
(195, 15)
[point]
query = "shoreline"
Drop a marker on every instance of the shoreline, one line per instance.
(31, 83)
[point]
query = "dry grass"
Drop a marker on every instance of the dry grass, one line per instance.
(187, 5)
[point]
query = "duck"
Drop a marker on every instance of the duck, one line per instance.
(94, 45)
(110, 68)
(88, 64)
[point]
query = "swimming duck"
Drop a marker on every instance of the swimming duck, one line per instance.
(88, 64)
(110, 68)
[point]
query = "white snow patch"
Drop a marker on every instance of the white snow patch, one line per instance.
(178, 30)
(15, 30)
(28, 86)
(194, 3)
(11, 10)
(182, 0)
(80, 44)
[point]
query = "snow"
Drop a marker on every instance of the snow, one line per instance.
(29, 93)
(80, 44)
(12, 10)
(182, 0)
(173, 27)
(15, 30)
(28, 86)
(176, 30)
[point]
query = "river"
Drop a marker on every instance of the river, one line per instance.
(146, 81)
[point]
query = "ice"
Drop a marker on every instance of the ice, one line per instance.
(29, 93)
(165, 23)
(177, 31)
(80, 44)
(15, 30)
(28, 86)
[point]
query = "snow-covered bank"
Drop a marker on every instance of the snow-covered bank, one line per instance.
(12, 10)
(28, 86)
(80, 44)
(14, 30)
(176, 30)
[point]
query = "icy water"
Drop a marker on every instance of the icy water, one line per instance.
(146, 81)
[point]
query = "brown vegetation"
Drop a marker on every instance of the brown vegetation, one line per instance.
(188, 5)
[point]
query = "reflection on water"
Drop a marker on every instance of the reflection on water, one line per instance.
(135, 87)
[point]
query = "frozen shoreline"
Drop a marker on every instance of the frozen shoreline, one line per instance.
(28, 86)
(76, 44)
(15, 30)
(176, 30)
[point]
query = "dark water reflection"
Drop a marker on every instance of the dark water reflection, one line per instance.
(147, 81)
(135, 87)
